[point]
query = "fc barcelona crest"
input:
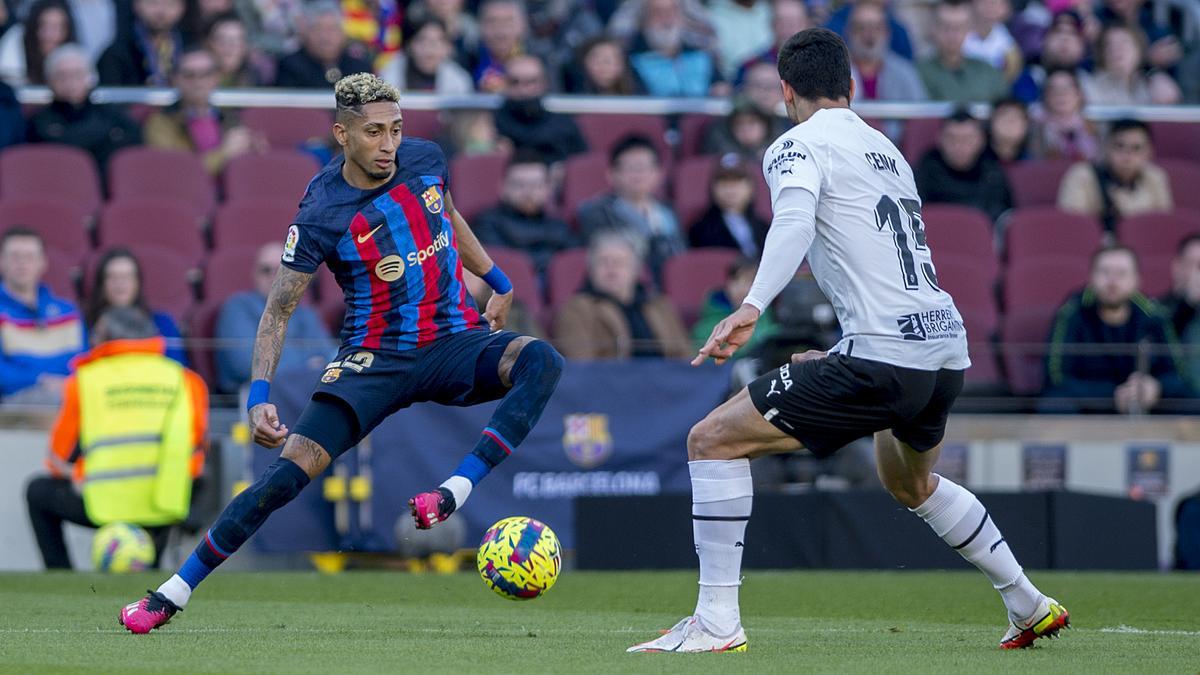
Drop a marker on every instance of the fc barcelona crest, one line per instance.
(433, 200)
(586, 440)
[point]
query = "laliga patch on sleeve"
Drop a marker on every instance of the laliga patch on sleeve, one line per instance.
(289, 246)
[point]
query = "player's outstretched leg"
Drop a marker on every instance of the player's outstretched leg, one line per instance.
(719, 451)
(301, 459)
(533, 368)
(958, 517)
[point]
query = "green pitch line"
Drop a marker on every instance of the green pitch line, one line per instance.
(378, 622)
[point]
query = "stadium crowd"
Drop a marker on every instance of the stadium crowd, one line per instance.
(627, 235)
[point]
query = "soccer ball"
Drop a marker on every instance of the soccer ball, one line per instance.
(121, 547)
(519, 558)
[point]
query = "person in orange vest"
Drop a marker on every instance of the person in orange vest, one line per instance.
(129, 440)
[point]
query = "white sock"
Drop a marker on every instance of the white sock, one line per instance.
(963, 523)
(722, 496)
(460, 487)
(176, 590)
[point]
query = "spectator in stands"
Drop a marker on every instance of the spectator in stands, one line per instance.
(626, 21)
(760, 86)
(146, 53)
(41, 332)
(72, 118)
(948, 74)
(427, 63)
(721, 302)
(194, 124)
(1125, 182)
(520, 220)
(788, 17)
(96, 23)
(881, 74)
(667, 59)
(1183, 302)
(636, 176)
(525, 121)
(958, 171)
(989, 39)
(274, 24)
(461, 26)
(324, 56)
(12, 124)
(198, 15)
(1063, 47)
(730, 221)
(614, 316)
(1009, 131)
(1119, 78)
(745, 131)
(601, 69)
(520, 319)
(898, 35)
(23, 52)
(503, 31)
(125, 395)
(376, 26)
(118, 283)
(309, 344)
(473, 132)
(1062, 132)
(239, 64)
(1163, 48)
(557, 29)
(743, 30)
(1111, 311)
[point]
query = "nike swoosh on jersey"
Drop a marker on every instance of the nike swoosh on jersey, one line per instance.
(362, 238)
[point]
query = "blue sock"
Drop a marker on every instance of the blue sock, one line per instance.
(278, 485)
(534, 377)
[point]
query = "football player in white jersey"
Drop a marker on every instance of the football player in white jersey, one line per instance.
(844, 197)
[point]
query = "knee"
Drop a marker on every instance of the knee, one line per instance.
(38, 491)
(547, 356)
(305, 453)
(702, 441)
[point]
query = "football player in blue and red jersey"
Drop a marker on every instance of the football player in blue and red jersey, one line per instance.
(382, 218)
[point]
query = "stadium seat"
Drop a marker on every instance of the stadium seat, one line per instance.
(762, 197)
(585, 176)
(227, 271)
(279, 174)
(251, 223)
(1035, 182)
(1184, 175)
(920, 136)
(603, 131)
(29, 170)
(1180, 140)
(1025, 335)
(61, 222)
(168, 174)
(152, 221)
(565, 276)
(520, 270)
(478, 178)
(167, 277)
(422, 123)
(1040, 231)
(690, 276)
(64, 273)
(981, 329)
(324, 288)
(1155, 275)
(691, 133)
(201, 325)
(1044, 281)
(956, 230)
(690, 185)
(972, 283)
(1158, 234)
(289, 128)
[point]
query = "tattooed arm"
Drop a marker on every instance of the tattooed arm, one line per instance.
(286, 292)
(479, 263)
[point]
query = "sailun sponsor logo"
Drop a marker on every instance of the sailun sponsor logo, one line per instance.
(420, 256)
(937, 324)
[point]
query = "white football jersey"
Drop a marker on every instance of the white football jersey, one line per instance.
(869, 253)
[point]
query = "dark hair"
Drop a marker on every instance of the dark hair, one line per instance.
(1068, 71)
(223, 17)
(960, 115)
(1011, 102)
(123, 323)
(816, 64)
(34, 59)
(96, 303)
(626, 84)
(1121, 126)
(1114, 248)
(1111, 27)
(21, 231)
(526, 156)
(632, 142)
(1186, 242)
(420, 22)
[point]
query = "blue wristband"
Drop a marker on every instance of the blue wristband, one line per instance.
(259, 391)
(498, 280)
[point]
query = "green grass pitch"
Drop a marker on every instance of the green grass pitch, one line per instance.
(378, 622)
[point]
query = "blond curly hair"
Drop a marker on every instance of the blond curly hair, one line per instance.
(354, 91)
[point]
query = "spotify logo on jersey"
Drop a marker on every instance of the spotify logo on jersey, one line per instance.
(390, 268)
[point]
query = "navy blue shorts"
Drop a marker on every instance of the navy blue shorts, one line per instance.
(459, 370)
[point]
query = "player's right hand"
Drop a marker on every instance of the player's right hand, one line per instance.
(729, 335)
(265, 426)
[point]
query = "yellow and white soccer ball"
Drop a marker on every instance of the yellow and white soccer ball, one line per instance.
(519, 558)
(121, 547)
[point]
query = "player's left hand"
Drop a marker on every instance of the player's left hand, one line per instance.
(496, 313)
(729, 335)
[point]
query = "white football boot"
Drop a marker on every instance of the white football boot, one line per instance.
(690, 636)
